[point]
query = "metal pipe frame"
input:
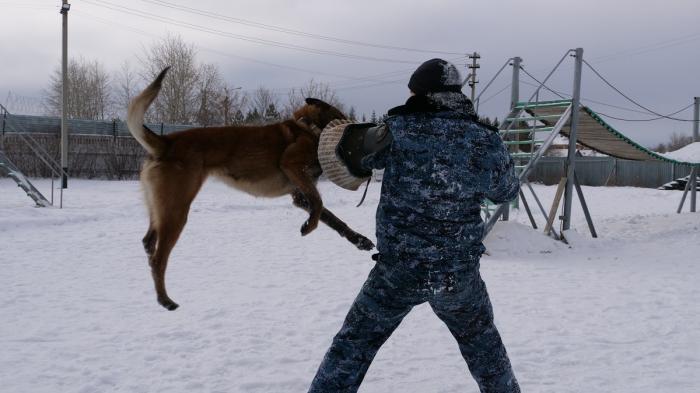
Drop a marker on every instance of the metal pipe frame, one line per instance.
(685, 191)
(535, 94)
(523, 175)
(571, 158)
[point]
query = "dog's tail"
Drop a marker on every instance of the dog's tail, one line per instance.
(152, 142)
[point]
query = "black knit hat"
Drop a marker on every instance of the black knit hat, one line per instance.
(435, 75)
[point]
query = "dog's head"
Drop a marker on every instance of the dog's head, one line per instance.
(318, 113)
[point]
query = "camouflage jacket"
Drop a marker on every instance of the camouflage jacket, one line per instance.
(441, 165)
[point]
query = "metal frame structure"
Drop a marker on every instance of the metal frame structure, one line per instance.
(570, 116)
(571, 156)
(546, 113)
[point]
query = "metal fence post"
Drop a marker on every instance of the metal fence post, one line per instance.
(673, 171)
(514, 98)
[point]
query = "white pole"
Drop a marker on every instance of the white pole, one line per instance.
(64, 96)
(696, 123)
(694, 172)
(514, 98)
(515, 86)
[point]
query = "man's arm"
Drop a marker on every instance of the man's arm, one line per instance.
(376, 160)
(505, 185)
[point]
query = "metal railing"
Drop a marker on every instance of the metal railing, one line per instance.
(45, 157)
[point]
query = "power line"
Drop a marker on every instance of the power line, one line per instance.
(496, 94)
(337, 85)
(648, 48)
(561, 95)
(652, 119)
(540, 83)
(389, 82)
(269, 27)
(630, 99)
(352, 79)
(615, 106)
(403, 73)
(176, 22)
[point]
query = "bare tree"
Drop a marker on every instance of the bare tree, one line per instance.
(88, 91)
(177, 101)
(125, 88)
(210, 94)
(312, 89)
(264, 103)
(676, 142)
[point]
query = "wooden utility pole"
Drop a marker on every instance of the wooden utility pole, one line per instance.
(473, 67)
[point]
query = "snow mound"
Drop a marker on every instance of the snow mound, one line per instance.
(689, 153)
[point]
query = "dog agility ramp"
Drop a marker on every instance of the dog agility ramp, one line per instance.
(596, 134)
(10, 170)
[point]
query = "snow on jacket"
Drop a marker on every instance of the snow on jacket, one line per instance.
(441, 165)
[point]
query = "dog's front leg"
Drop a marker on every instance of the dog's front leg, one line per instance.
(335, 223)
(295, 164)
(306, 188)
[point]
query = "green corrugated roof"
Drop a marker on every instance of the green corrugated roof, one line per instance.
(652, 154)
(537, 109)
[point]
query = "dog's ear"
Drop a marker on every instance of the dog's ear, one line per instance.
(317, 102)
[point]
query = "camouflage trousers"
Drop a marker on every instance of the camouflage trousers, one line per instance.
(456, 294)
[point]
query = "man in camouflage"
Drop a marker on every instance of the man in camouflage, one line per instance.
(440, 166)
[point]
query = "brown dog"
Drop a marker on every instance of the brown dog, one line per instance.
(266, 161)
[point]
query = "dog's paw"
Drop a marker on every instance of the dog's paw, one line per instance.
(308, 227)
(363, 243)
(168, 304)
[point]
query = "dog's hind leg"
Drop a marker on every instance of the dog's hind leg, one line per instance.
(149, 240)
(335, 223)
(172, 191)
(151, 237)
(168, 233)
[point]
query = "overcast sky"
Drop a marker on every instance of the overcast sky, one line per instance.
(648, 49)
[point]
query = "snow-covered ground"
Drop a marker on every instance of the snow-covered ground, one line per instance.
(260, 304)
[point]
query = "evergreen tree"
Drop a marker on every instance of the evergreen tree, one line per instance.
(238, 117)
(351, 115)
(253, 117)
(271, 113)
(373, 118)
